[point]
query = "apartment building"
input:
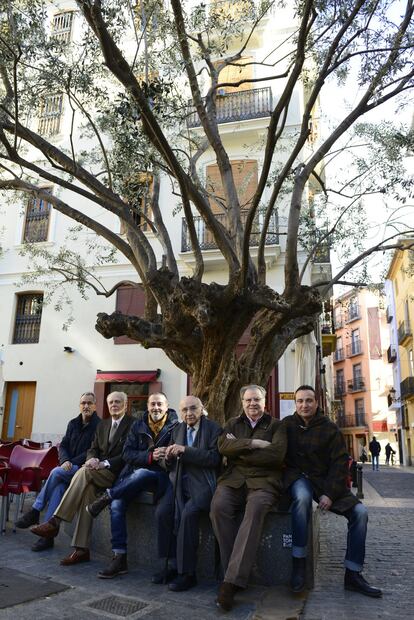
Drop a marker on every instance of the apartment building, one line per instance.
(361, 373)
(44, 368)
(399, 288)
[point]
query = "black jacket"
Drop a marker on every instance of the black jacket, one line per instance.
(77, 440)
(112, 452)
(139, 444)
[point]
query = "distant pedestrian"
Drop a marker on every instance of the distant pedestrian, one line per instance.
(375, 449)
(388, 452)
(363, 457)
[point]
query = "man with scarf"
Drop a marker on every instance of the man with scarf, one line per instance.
(193, 459)
(317, 468)
(144, 447)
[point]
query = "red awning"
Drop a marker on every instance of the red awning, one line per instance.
(127, 376)
(380, 426)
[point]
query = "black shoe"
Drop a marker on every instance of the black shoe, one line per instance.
(298, 577)
(355, 582)
(161, 577)
(225, 596)
(183, 582)
(31, 517)
(98, 505)
(117, 566)
(42, 544)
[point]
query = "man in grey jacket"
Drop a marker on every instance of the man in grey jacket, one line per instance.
(193, 459)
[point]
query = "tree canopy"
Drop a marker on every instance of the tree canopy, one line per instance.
(144, 82)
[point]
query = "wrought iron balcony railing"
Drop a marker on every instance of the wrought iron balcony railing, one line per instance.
(357, 384)
(355, 348)
(339, 355)
(354, 313)
(207, 241)
(391, 354)
(404, 331)
(339, 389)
(350, 420)
(407, 388)
(238, 106)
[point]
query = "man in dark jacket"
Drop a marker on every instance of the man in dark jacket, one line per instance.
(375, 449)
(72, 455)
(254, 444)
(194, 459)
(103, 464)
(144, 448)
(317, 468)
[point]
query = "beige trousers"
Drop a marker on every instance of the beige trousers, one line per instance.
(239, 544)
(83, 490)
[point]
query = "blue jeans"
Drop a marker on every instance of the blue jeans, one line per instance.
(302, 494)
(54, 489)
(375, 462)
(123, 492)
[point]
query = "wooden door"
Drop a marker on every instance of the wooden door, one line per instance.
(18, 417)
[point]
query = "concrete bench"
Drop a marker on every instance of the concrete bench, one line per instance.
(273, 563)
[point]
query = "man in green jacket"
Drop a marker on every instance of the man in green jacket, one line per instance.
(254, 445)
(317, 468)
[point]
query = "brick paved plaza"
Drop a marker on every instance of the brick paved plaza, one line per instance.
(389, 494)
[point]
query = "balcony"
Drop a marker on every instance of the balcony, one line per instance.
(206, 239)
(351, 420)
(339, 389)
(238, 106)
(339, 355)
(407, 388)
(354, 313)
(338, 322)
(389, 314)
(357, 384)
(355, 348)
(391, 354)
(404, 332)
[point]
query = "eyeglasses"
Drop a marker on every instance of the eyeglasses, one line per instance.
(252, 400)
(190, 409)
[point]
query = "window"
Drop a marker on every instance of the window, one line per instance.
(50, 114)
(130, 300)
(139, 194)
(36, 225)
(240, 70)
(62, 27)
(245, 178)
(353, 309)
(339, 384)
(359, 412)
(411, 362)
(28, 318)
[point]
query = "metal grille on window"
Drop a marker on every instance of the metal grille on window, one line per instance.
(50, 114)
(37, 221)
(62, 27)
(28, 318)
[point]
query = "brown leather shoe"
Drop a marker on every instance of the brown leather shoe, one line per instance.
(76, 557)
(225, 597)
(48, 529)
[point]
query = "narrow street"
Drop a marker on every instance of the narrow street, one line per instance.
(389, 496)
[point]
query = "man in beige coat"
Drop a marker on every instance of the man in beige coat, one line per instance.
(103, 464)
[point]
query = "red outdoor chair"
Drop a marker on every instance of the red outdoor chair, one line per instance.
(35, 445)
(24, 476)
(7, 448)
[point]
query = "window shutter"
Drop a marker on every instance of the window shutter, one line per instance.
(245, 177)
(130, 300)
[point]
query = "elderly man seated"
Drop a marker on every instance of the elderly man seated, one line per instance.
(104, 462)
(72, 455)
(254, 444)
(193, 459)
(144, 448)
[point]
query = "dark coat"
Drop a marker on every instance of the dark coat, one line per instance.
(318, 453)
(374, 447)
(259, 468)
(77, 440)
(102, 450)
(199, 463)
(139, 444)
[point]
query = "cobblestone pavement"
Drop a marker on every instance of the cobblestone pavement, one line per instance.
(388, 564)
(389, 560)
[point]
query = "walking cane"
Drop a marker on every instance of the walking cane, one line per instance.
(171, 532)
